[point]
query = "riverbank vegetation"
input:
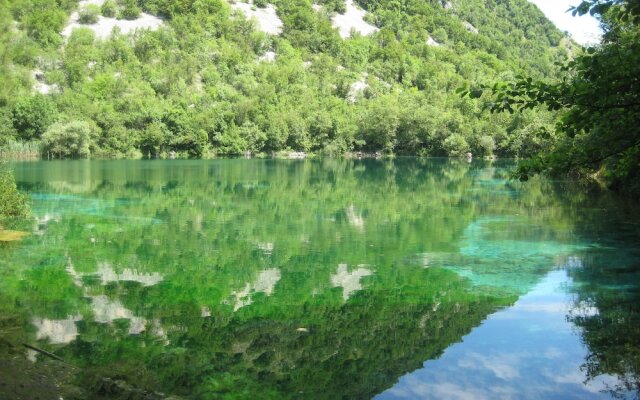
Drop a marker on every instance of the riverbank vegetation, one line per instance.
(598, 95)
(208, 81)
(12, 202)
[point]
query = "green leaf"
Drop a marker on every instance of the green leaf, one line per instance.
(476, 93)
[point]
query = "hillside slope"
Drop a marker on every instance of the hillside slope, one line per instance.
(209, 77)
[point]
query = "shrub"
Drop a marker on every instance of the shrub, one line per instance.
(455, 145)
(260, 3)
(12, 202)
(130, 10)
(487, 144)
(338, 6)
(109, 9)
(89, 14)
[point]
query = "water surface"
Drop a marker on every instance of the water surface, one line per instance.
(317, 279)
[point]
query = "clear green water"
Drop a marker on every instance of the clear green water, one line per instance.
(317, 279)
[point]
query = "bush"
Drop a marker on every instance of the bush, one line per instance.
(109, 9)
(487, 144)
(338, 6)
(89, 14)
(130, 11)
(12, 202)
(440, 35)
(455, 145)
(260, 3)
(69, 140)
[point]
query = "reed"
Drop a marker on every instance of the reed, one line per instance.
(13, 150)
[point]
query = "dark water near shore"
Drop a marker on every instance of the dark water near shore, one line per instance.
(317, 279)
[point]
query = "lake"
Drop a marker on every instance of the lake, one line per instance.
(317, 279)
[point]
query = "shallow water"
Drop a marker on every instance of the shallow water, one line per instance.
(317, 279)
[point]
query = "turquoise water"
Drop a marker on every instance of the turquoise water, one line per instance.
(316, 279)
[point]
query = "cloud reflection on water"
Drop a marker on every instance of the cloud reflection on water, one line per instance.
(502, 358)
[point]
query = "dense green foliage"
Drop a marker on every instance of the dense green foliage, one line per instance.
(69, 140)
(198, 87)
(599, 94)
(12, 202)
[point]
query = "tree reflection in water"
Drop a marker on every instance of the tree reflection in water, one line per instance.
(274, 279)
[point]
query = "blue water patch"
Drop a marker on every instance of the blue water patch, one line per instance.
(528, 351)
(515, 264)
(79, 205)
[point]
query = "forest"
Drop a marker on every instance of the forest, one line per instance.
(597, 135)
(209, 82)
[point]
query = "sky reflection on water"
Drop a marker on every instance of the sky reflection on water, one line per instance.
(527, 351)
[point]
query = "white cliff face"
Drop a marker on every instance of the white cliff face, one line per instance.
(269, 56)
(41, 86)
(352, 19)
(105, 26)
(268, 20)
(356, 90)
(349, 281)
(431, 42)
(470, 27)
(264, 283)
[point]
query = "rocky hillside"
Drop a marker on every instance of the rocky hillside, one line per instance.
(131, 78)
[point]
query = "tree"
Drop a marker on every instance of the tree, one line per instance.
(31, 116)
(455, 146)
(77, 54)
(153, 138)
(487, 144)
(599, 95)
(73, 139)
